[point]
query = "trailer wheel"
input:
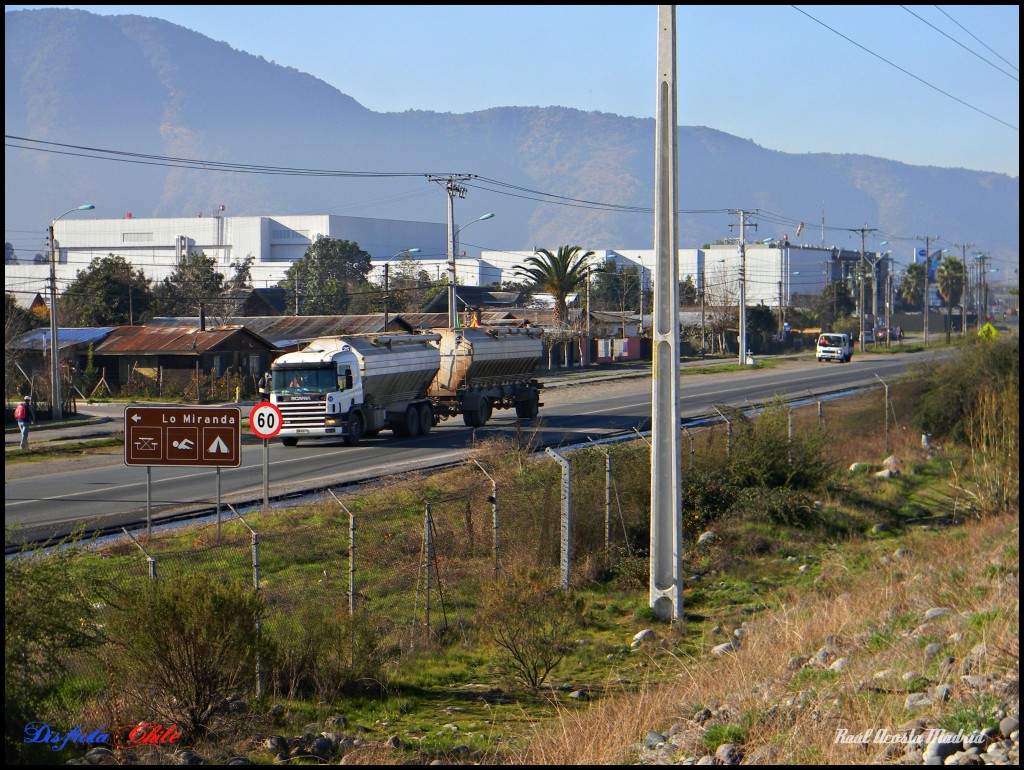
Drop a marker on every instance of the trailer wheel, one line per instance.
(426, 419)
(355, 429)
(411, 422)
(289, 441)
(528, 409)
(478, 417)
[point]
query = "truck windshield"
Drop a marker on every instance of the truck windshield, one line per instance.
(831, 340)
(318, 380)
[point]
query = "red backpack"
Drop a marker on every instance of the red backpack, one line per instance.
(20, 412)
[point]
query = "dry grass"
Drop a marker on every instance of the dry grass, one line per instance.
(865, 608)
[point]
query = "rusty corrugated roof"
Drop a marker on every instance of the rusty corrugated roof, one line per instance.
(179, 340)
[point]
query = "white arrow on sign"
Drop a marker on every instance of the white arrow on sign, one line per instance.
(218, 446)
(136, 417)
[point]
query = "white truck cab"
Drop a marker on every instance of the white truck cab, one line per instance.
(834, 346)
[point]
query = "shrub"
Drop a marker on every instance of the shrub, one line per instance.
(775, 506)
(48, 615)
(326, 653)
(182, 646)
(531, 622)
(946, 402)
(764, 456)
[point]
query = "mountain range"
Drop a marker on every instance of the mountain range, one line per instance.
(133, 84)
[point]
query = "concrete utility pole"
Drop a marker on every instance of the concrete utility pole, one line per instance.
(453, 188)
(927, 269)
(743, 287)
(963, 289)
(863, 262)
(57, 406)
(666, 583)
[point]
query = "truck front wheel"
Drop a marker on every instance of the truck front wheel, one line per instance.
(355, 429)
(289, 441)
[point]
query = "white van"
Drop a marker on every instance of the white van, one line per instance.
(834, 346)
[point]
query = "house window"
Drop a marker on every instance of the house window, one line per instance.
(136, 237)
(254, 363)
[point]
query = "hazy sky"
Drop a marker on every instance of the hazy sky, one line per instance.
(941, 95)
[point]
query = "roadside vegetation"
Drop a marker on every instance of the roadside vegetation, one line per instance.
(791, 543)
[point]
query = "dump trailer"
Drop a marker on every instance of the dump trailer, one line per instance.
(487, 368)
(357, 385)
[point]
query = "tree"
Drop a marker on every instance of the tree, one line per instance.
(949, 279)
(557, 274)
(109, 292)
(331, 278)
(408, 286)
(688, 292)
(9, 257)
(616, 287)
(834, 302)
(760, 323)
(911, 285)
(195, 280)
(17, 321)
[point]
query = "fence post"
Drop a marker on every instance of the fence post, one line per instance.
(607, 502)
(790, 444)
(428, 554)
(493, 500)
(728, 434)
(566, 516)
(351, 554)
(690, 436)
(150, 561)
(255, 538)
(886, 386)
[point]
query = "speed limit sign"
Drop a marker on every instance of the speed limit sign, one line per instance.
(265, 420)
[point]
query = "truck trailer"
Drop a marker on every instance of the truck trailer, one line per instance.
(352, 386)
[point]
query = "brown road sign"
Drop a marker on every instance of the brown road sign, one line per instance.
(183, 435)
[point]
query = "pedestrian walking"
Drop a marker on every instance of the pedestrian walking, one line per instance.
(25, 416)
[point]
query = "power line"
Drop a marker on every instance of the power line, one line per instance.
(905, 72)
(974, 36)
(924, 21)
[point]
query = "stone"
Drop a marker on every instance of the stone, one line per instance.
(932, 650)
(838, 665)
(887, 473)
(937, 612)
(727, 754)
(879, 529)
(943, 692)
(939, 748)
(917, 700)
(275, 743)
(647, 635)
(721, 649)
(1009, 725)
(653, 740)
(901, 553)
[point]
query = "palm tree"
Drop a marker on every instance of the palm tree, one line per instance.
(949, 277)
(557, 274)
(912, 285)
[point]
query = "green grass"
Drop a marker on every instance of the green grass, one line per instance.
(42, 452)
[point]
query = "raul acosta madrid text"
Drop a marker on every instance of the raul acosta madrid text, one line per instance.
(881, 735)
(124, 737)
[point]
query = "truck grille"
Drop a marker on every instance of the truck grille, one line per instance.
(303, 414)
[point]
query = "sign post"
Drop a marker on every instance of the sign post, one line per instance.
(181, 436)
(265, 421)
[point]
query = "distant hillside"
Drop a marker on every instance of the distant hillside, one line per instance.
(139, 84)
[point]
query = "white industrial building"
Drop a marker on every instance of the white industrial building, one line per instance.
(776, 271)
(275, 242)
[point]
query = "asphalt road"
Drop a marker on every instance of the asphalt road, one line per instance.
(64, 493)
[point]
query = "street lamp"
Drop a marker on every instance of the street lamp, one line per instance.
(453, 311)
(57, 411)
(387, 265)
